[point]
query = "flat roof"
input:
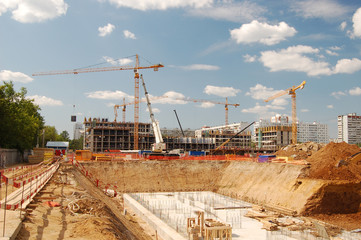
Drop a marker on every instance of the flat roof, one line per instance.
(57, 144)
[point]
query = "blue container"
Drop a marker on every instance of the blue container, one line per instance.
(196, 153)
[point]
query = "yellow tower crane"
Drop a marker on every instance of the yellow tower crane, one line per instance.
(135, 68)
(291, 91)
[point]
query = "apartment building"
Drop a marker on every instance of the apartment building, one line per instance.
(349, 128)
(312, 132)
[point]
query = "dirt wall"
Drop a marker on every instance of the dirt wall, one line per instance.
(279, 186)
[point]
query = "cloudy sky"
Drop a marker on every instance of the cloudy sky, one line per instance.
(245, 51)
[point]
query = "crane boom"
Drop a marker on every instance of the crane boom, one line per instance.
(290, 91)
(103, 69)
(136, 69)
(159, 145)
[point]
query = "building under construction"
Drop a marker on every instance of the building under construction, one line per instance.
(102, 135)
(274, 134)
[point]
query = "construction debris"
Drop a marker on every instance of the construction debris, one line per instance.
(300, 151)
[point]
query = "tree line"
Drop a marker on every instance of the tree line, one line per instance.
(21, 125)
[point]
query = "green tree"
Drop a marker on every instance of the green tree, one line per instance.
(64, 136)
(20, 119)
(76, 144)
(50, 134)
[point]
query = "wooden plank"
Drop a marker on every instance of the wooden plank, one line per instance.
(45, 198)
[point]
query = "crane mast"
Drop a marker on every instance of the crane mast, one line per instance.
(136, 69)
(290, 91)
(159, 145)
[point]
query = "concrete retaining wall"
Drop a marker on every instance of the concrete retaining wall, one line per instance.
(11, 156)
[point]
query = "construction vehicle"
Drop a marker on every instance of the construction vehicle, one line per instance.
(226, 104)
(159, 145)
(353, 159)
(135, 68)
(291, 91)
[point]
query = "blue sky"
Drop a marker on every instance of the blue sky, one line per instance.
(244, 50)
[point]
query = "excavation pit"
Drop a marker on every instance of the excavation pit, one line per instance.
(167, 213)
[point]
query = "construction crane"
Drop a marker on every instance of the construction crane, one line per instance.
(127, 104)
(135, 68)
(159, 145)
(290, 91)
(226, 104)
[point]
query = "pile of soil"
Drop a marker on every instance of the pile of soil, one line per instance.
(324, 163)
(300, 151)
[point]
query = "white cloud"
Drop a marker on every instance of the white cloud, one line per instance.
(121, 61)
(260, 92)
(294, 59)
(338, 94)
(128, 34)
(106, 30)
(207, 105)
(154, 110)
(326, 9)
(45, 101)
(262, 33)
(6, 5)
(231, 11)
(263, 111)
(329, 52)
(356, 19)
(335, 48)
(6, 75)
(221, 91)
(145, 5)
(280, 101)
(249, 58)
(200, 67)
(347, 66)
(329, 106)
(298, 59)
(173, 97)
(30, 11)
(107, 95)
(305, 110)
(343, 25)
(355, 91)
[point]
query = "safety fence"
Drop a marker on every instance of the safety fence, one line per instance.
(15, 200)
(106, 187)
(28, 181)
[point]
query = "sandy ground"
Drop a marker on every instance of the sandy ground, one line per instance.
(66, 209)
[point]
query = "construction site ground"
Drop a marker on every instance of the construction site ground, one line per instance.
(70, 206)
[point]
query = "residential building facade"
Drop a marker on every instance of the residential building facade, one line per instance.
(349, 128)
(312, 132)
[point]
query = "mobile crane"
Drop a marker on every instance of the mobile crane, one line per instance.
(159, 145)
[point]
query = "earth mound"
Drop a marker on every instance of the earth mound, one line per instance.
(325, 163)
